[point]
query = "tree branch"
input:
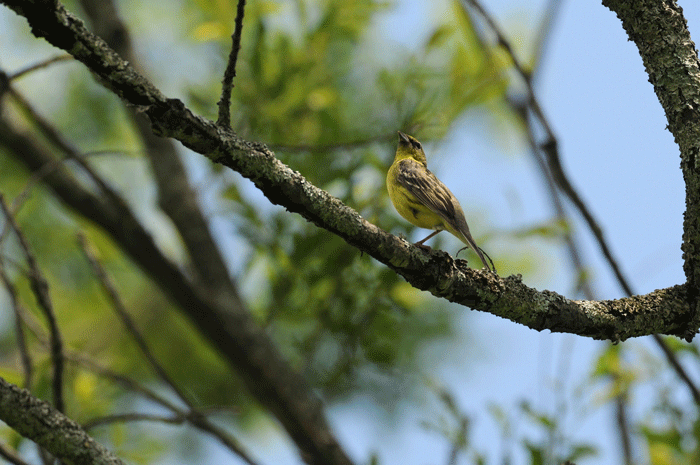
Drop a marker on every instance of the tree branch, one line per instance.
(35, 419)
(661, 35)
(224, 103)
(664, 311)
(40, 288)
(25, 356)
(10, 455)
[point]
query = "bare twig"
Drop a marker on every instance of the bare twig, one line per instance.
(225, 438)
(24, 354)
(42, 64)
(40, 287)
(551, 12)
(323, 148)
(554, 162)
(124, 316)
(131, 417)
(623, 428)
(676, 365)
(224, 103)
(194, 416)
(54, 136)
(11, 456)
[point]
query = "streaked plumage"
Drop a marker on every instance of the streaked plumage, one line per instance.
(421, 198)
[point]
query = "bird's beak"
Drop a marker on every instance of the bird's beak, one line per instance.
(403, 137)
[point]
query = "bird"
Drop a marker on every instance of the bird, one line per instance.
(422, 199)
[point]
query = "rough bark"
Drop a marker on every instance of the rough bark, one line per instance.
(37, 420)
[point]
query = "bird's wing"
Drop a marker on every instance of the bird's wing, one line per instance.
(432, 193)
(429, 190)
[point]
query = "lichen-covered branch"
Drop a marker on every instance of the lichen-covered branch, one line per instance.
(35, 419)
(665, 311)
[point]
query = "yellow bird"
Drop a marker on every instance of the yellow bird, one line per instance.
(420, 197)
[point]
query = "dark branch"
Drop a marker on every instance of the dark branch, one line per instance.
(132, 417)
(11, 456)
(194, 416)
(40, 287)
(224, 119)
(120, 309)
(43, 64)
(25, 357)
(678, 368)
(623, 427)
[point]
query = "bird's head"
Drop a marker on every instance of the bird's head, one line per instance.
(409, 147)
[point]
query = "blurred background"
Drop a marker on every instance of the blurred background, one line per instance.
(407, 378)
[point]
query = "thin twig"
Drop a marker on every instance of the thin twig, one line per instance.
(554, 162)
(544, 32)
(25, 356)
(131, 417)
(11, 456)
(224, 437)
(675, 363)
(621, 417)
(230, 72)
(55, 137)
(119, 307)
(324, 148)
(194, 416)
(40, 65)
(40, 287)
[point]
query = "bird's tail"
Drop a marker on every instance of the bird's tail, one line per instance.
(469, 240)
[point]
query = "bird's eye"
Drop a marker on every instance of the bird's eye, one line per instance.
(416, 144)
